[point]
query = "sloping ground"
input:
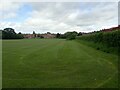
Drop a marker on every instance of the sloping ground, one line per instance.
(40, 63)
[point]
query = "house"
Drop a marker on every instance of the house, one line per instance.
(46, 35)
(29, 36)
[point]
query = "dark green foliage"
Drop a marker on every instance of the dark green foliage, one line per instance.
(9, 33)
(105, 41)
(71, 35)
(79, 34)
(68, 35)
(19, 33)
(57, 35)
(62, 36)
(48, 33)
(19, 36)
(0, 34)
(110, 39)
(98, 48)
(33, 32)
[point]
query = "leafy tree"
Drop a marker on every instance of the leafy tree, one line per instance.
(19, 33)
(62, 36)
(33, 32)
(79, 34)
(57, 35)
(9, 33)
(9, 30)
(71, 35)
(48, 33)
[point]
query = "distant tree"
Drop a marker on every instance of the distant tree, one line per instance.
(19, 33)
(0, 34)
(71, 35)
(33, 32)
(62, 36)
(79, 34)
(57, 35)
(9, 33)
(9, 30)
(48, 33)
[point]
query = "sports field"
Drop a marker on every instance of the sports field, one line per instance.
(56, 63)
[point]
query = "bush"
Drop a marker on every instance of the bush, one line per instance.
(70, 35)
(110, 39)
(105, 41)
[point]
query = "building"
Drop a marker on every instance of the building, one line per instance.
(46, 35)
(29, 36)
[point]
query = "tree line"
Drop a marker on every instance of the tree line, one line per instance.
(68, 35)
(9, 33)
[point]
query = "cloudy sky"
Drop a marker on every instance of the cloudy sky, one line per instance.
(58, 17)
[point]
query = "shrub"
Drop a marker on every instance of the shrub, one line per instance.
(105, 41)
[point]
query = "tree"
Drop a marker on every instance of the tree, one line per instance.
(33, 32)
(71, 35)
(9, 30)
(9, 33)
(19, 33)
(48, 33)
(0, 34)
(79, 34)
(57, 35)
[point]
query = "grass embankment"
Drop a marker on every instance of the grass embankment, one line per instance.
(40, 63)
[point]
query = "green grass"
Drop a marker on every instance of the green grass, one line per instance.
(56, 63)
(100, 46)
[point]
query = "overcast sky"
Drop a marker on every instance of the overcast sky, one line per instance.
(58, 17)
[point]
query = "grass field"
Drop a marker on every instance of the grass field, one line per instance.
(55, 63)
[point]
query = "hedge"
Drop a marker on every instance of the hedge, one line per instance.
(106, 41)
(110, 39)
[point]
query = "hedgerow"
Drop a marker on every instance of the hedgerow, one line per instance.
(103, 39)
